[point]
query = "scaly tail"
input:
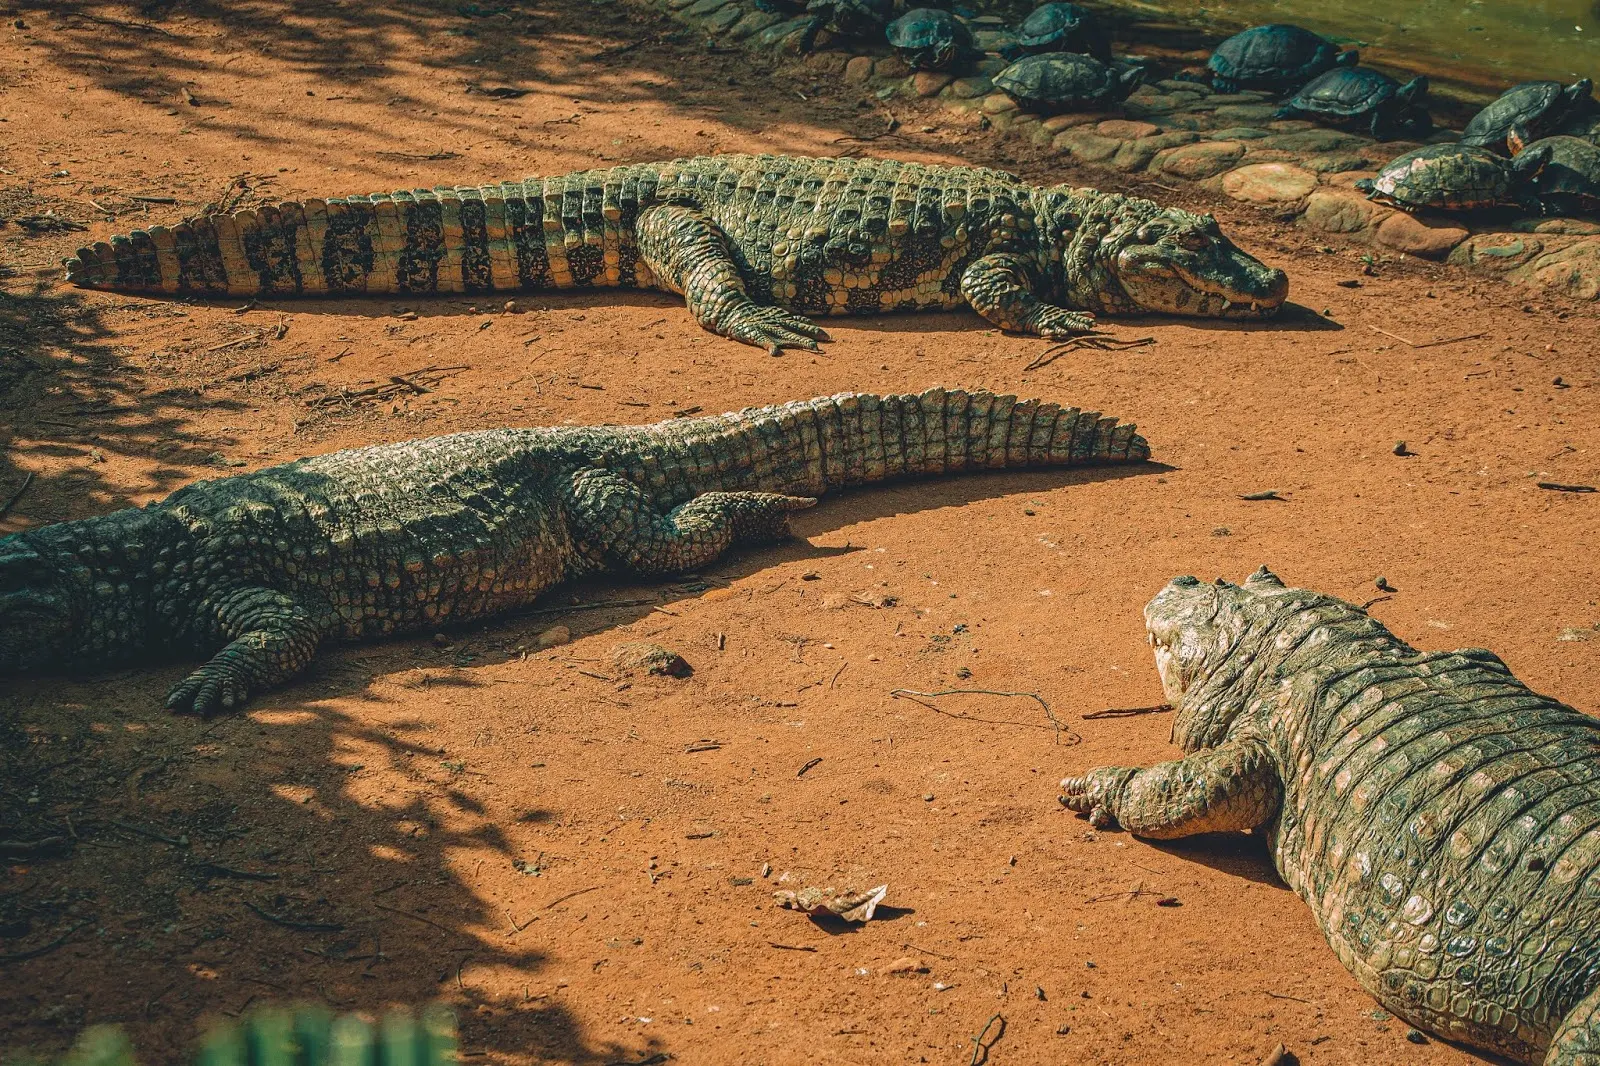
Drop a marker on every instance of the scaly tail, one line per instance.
(812, 447)
(543, 233)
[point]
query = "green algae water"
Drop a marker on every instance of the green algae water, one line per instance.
(1476, 46)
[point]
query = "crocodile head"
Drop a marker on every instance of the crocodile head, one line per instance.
(1222, 647)
(1126, 255)
(38, 608)
(1206, 639)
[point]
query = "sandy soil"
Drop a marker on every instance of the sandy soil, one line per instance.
(557, 850)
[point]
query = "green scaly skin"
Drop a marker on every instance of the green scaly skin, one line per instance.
(1441, 819)
(404, 537)
(753, 243)
(298, 1036)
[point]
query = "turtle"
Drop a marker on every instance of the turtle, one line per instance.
(846, 18)
(1538, 107)
(1561, 173)
(1053, 82)
(1061, 27)
(1363, 98)
(929, 38)
(1278, 58)
(1446, 177)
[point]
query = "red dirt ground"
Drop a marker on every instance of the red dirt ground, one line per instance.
(523, 833)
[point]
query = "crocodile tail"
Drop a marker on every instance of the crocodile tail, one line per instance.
(812, 447)
(538, 234)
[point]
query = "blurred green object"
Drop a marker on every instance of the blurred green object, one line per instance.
(294, 1036)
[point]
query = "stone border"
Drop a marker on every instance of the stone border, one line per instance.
(1230, 144)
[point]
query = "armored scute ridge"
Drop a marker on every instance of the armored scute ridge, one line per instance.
(401, 537)
(1441, 819)
(753, 243)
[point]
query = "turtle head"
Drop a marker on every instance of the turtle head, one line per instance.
(1412, 92)
(1175, 262)
(1579, 94)
(1347, 59)
(40, 606)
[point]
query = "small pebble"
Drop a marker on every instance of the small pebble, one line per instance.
(927, 797)
(1382, 584)
(1063, 1030)
(1401, 449)
(1038, 993)
(1416, 1036)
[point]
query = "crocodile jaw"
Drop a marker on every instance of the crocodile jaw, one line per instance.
(1216, 282)
(36, 616)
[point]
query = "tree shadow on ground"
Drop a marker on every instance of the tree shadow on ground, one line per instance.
(329, 882)
(72, 403)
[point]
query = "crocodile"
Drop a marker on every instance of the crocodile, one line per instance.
(267, 566)
(753, 244)
(1441, 819)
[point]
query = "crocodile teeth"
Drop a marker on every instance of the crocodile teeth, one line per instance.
(1255, 305)
(1227, 304)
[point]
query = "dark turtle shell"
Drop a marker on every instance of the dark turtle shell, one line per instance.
(1062, 27)
(1537, 107)
(1445, 177)
(1361, 96)
(1277, 58)
(1563, 173)
(1065, 81)
(847, 18)
(928, 38)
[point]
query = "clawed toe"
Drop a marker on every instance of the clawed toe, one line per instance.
(775, 329)
(205, 692)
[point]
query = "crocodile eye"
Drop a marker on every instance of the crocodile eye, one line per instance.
(1147, 235)
(1195, 241)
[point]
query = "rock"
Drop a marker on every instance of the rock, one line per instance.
(997, 103)
(1342, 211)
(1576, 227)
(891, 67)
(1499, 252)
(1244, 114)
(1254, 153)
(754, 21)
(1335, 162)
(993, 40)
(1426, 238)
(1310, 142)
(970, 88)
(1057, 123)
(1140, 106)
(829, 64)
(777, 34)
(701, 8)
(1137, 154)
(1347, 178)
(858, 70)
(1269, 183)
(724, 19)
(906, 964)
(928, 82)
(1176, 85)
(1126, 130)
(1238, 133)
(554, 637)
(1202, 160)
(678, 5)
(1086, 145)
(640, 657)
(1231, 99)
(1286, 125)
(1195, 121)
(1573, 268)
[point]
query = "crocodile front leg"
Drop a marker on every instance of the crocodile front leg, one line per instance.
(616, 527)
(1228, 788)
(271, 638)
(999, 286)
(1577, 1040)
(689, 255)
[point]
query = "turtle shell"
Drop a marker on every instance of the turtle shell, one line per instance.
(1062, 27)
(928, 38)
(1446, 177)
(1536, 107)
(853, 18)
(1562, 172)
(1064, 81)
(1277, 58)
(1362, 96)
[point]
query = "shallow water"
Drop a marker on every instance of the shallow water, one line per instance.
(1478, 44)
